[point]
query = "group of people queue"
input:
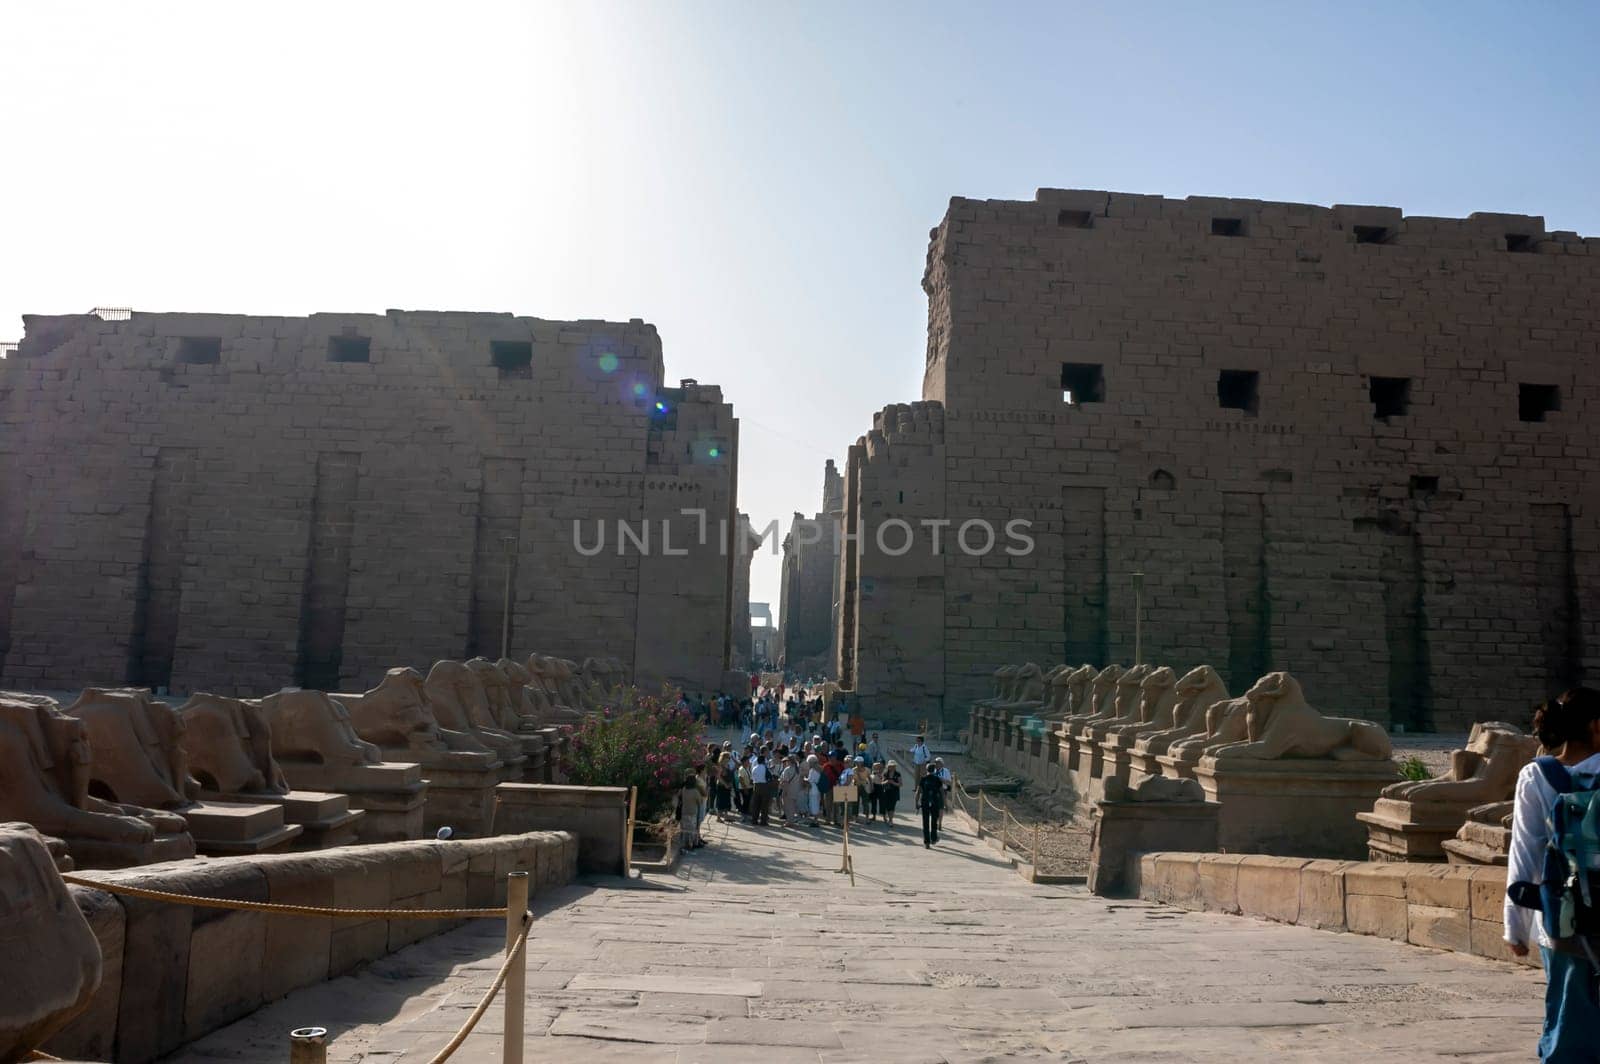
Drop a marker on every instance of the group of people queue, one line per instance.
(797, 777)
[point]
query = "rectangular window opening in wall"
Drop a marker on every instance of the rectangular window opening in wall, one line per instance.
(1424, 487)
(349, 349)
(1227, 227)
(513, 358)
(1391, 396)
(1082, 382)
(1075, 219)
(1534, 401)
(1373, 234)
(200, 350)
(1519, 242)
(1236, 389)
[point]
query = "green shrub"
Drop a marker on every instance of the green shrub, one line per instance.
(1413, 768)
(642, 742)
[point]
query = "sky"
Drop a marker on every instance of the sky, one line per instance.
(756, 178)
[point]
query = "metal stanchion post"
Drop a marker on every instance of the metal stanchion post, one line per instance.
(308, 1045)
(980, 814)
(516, 988)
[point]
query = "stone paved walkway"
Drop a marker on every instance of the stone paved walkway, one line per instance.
(931, 956)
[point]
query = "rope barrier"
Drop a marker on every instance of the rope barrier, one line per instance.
(286, 910)
(512, 956)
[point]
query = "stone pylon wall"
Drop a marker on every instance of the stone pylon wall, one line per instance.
(232, 501)
(1304, 425)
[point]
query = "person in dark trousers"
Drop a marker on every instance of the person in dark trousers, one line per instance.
(930, 799)
(761, 799)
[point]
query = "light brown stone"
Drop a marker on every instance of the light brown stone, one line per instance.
(47, 950)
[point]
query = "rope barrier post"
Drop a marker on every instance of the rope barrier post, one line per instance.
(517, 979)
(980, 814)
(627, 837)
(1036, 849)
(308, 1045)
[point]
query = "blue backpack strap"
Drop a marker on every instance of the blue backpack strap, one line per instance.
(1554, 773)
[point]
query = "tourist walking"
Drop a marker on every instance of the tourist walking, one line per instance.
(722, 786)
(889, 792)
(1568, 729)
(920, 756)
(930, 799)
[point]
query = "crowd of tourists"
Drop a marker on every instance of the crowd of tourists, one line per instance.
(788, 775)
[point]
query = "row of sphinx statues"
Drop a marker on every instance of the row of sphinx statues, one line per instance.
(1156, 711)
(122, 778)
(1166, 723)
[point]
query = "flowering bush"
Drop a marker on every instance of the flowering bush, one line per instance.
(642, 742)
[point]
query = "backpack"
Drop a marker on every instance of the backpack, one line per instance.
(1569, 897)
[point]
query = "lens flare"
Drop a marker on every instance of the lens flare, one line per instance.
(716, 452)
(638, 389)
(608, 363)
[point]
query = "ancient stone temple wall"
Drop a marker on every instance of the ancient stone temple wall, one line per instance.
(810, 579)
(239, 503)
(896, 615)
(1337, 440)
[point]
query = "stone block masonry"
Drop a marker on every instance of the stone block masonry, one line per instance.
(1340, 441)
(238, 503)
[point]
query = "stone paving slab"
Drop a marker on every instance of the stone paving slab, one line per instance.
(756, 949)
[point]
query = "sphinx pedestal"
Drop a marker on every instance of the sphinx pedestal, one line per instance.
(1116, 763)
(99, 853)
(461, 793)
(1178, 768)
(325, 818)
(389, 794)
(1484, 839)
(1399, 830)
(224, 828)
(1087, 761)
(1144, 763)
(1293, 807)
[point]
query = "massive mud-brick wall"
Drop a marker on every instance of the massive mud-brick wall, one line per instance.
(238, 503)
(1344, 442)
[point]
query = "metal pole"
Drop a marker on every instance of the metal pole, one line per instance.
(516, 988)
(1036, 849)
(505, 612)
(980, 814)
(308, 1045)
(1138, 617)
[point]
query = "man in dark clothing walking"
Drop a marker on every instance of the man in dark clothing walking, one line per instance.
(930, 799)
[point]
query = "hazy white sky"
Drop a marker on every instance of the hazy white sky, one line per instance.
(757, 179)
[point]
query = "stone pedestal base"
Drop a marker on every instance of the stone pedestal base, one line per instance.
(1125, 829)
(1142, 765)
(1086, 761)
(460, 794)
(598, 816)
(1398, 830)
(1177, 768)
(224, 828)
(1294, 807)
(390, 794)
(98, 853)
(1116, 763)
(1479, 844)
(325, 818)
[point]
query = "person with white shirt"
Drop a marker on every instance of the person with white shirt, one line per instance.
(1569, 728)
(920, 756)
(761, 786)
